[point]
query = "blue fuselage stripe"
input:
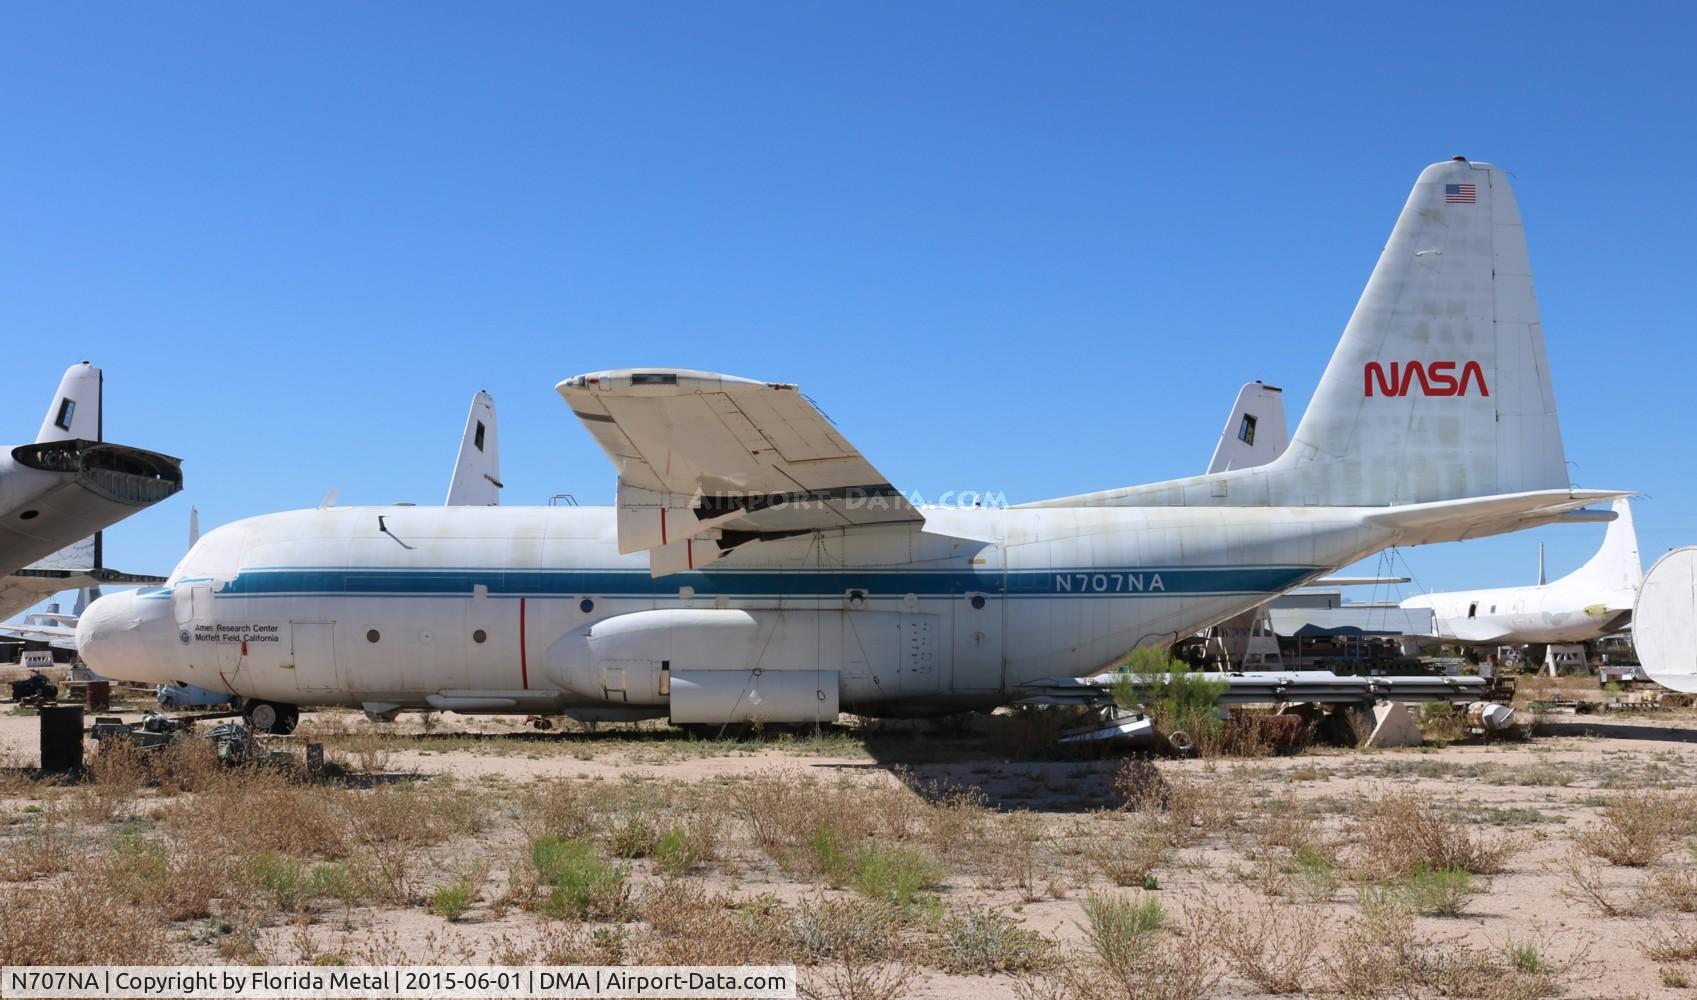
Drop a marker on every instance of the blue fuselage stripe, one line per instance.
(1176, 581)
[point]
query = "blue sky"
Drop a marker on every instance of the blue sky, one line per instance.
(1023, 248)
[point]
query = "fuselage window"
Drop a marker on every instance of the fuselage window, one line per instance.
(373, 635)
(977, 601)
(479, 636)
(1473, 610)
(586, 605)
(1246, 430)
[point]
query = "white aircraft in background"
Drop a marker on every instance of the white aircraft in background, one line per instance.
(757, 567)
(58, 493)
(1593, 601)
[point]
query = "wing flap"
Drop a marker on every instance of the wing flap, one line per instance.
(697, 451)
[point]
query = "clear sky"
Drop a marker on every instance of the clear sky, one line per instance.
(1022, 248)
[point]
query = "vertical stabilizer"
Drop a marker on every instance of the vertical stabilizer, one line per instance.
(1439, 389)
(476, 481)
(1255, 432)
(1616, 566)
(75, 411)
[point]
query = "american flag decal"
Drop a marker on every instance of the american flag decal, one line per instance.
(1460, 194)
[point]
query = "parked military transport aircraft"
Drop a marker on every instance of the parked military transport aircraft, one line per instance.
(1593, 601)
(56, 495)
(757, 567)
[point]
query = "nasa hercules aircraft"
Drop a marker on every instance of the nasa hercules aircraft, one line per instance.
(757, 567)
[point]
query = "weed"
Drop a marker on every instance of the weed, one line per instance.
(897, 875)
(1275, 947)
(980, 941)
(579, 882)
(1639, 828)
(1403, 832)
(282, 877)
(676, 851)
(834, 929)
(451, 901)
(1440, 893)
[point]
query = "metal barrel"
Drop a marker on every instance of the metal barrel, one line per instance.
(61, 739)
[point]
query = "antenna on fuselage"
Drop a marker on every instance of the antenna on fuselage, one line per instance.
(1541, 580)
(329, 499)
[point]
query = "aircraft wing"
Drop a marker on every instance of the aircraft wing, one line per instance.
(705, 458)
(22, 588)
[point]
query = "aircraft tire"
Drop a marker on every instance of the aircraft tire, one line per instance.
(270, 717)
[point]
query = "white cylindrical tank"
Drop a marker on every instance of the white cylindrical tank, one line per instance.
(1664, 621)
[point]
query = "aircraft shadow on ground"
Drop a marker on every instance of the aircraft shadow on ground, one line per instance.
(1617, 731)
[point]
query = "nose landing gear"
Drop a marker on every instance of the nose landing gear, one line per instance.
(270, 717)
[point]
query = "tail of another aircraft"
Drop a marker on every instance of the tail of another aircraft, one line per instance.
(75, 411)
(476, 481)
(1616, 566)
(1439, 389)
(1255, 433)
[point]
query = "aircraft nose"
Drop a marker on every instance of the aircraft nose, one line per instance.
(109, 637)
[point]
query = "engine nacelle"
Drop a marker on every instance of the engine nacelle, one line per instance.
(719, 665)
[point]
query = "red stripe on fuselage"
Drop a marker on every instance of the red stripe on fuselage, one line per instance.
(524, 665)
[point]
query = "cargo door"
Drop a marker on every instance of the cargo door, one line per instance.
(312, 647)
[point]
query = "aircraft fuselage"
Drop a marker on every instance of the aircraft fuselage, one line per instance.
(509, 608)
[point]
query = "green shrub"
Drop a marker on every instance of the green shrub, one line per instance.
(831, 857)
(898, 875)
(1441, 892)
(452, 900)
(333, 880)
(677, 851)
(1121, 929)
(283, 877)
(579, 881)
(1172, 694)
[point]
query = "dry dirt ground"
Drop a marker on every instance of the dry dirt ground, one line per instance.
(890, 861)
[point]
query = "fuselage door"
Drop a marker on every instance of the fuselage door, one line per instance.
(312, 645)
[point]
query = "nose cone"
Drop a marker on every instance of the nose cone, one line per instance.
(109, 638)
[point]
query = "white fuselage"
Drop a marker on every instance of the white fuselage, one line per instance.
(514, 608)
(1520, 615)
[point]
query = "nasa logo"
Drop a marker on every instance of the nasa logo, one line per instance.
(183, 636)
(1436, 379)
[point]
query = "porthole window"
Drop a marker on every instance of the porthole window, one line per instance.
(479, 636)
(977, 601)
(586, 605)
(29, 515)
(372, 635)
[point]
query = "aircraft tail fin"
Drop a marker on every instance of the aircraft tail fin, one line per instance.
(1439, 388)
(476, 481)
(1616, 566)
(1255, 432)
(75, 411)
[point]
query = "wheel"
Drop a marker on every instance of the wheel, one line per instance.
(268, 717)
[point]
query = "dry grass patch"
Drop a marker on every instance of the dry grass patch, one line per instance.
(77, 922)
(1405, 832)
(1278, 948)
(1640, 828)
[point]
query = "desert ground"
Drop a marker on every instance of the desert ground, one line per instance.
(950, 859)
